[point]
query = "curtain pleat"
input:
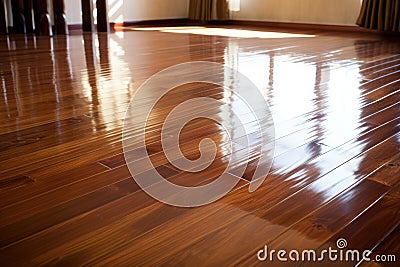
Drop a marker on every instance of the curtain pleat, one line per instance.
(203, 9)
(200, 10)
(382, 15)
(222, 9)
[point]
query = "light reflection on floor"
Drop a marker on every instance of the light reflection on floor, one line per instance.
(293, 87)
(226, 32)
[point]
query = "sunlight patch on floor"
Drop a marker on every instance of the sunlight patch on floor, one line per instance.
(225, 32)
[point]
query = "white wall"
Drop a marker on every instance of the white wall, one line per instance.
(73, 11)
(335, 12)
(137, 10)
(132, 10)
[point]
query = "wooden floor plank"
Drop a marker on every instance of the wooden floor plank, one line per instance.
(387, 248)
(67, 196)
(363, 233)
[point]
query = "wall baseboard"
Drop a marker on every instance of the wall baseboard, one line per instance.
(299, 26)
(77, 28)
(158, 22)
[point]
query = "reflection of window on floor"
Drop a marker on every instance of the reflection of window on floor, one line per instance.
(343, 104)
(253, 118)
(312, 105)
(293, 88)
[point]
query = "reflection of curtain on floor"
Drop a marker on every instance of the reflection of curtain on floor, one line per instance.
(204, 9)
(382, 15)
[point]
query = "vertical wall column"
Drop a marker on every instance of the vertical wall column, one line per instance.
(42, 20)
(87, 15)
(17, 7)
(28, 15)
(60, 19)
(3, 23)
(102, 16)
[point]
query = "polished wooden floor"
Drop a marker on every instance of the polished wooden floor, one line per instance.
(66, 194)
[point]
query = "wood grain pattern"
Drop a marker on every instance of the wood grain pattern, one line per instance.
(68, 198)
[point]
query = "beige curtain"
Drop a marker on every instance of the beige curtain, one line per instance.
(382, 15)
(203, 10)
(222, 9)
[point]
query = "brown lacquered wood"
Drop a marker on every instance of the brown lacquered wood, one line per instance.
(60, 19)
(17, 8)
(102, 16)
(68, 198)
(28, 8)
(3, 24)
(87, 16)
(42, 22)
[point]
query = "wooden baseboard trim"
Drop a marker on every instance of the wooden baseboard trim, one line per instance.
(74, 29)
(160, 22)
(77, 28)
(299, 26)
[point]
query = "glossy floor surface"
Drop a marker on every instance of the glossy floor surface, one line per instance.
(68, 198)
